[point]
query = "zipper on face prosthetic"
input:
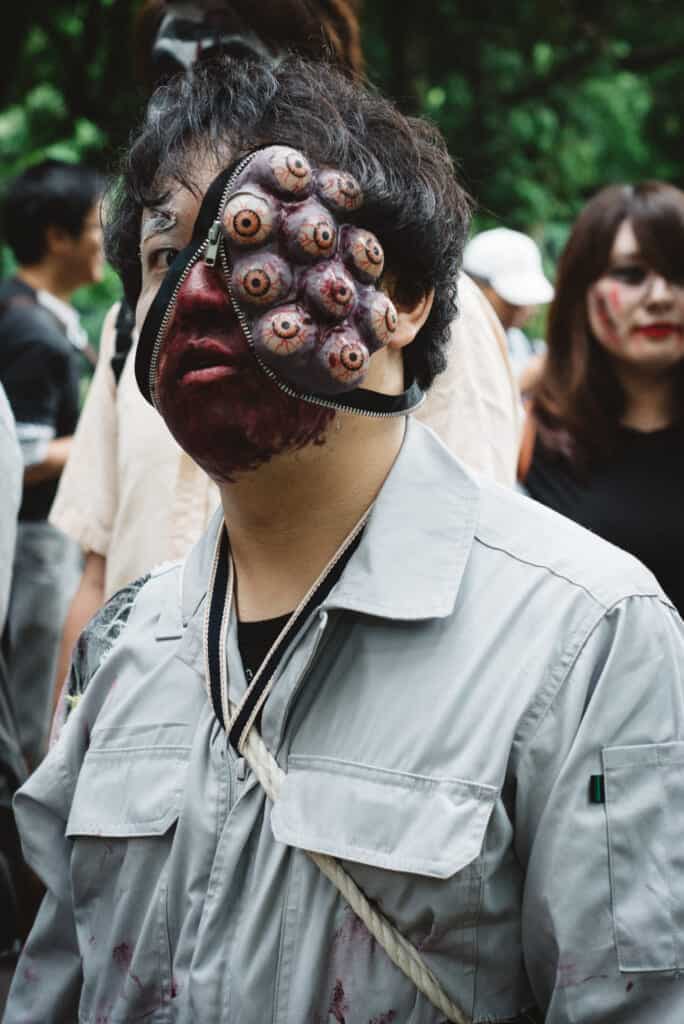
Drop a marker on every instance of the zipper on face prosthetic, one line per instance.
(168, 313)
(304, 396)
(208, 248)
(216, 246)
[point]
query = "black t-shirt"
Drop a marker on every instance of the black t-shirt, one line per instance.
(39, 371)
(635, 499)
(255, 640)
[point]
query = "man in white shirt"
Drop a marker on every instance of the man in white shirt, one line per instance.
(507, 265)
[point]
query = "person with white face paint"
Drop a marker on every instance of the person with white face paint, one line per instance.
(605, 439)
(359, 758)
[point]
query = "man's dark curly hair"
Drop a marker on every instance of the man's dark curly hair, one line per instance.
(220, 111)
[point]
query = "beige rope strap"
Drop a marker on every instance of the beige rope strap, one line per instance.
(398, 948)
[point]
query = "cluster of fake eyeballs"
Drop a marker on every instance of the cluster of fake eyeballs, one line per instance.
(306, 283)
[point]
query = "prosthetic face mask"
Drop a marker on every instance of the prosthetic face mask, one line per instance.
(266, 322)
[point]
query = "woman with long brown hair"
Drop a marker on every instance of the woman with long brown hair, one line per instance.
(606, 440)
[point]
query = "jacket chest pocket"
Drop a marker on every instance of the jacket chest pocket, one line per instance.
(644, 796)
(413, 844)
(122, 819)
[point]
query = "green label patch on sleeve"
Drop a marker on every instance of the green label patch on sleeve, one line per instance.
(597, 789)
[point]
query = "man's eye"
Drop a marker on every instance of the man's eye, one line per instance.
(161, 259)
(628, 274)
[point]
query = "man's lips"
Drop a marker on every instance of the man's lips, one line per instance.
(662, 329)
(206, 359)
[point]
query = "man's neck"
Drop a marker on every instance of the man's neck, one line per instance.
(46, 277)
(287, 519)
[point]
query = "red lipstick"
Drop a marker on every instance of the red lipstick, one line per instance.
(659, 330)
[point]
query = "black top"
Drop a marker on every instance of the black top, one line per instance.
(255, 640)
(635, 499)
(39, 371)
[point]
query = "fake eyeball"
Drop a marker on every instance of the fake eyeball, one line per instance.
(250, 219)
(285, 331)
(381, 318)
(261, 279)
(330, 290)
(290, 170)
(364, 254)
(310, 233)
(344, 357)
(341, 191)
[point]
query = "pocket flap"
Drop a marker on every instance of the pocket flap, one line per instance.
(130, 784)
(384, 818)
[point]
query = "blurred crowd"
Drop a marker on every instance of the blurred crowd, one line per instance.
(583, 412)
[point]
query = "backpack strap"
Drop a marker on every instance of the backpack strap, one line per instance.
(123, 339)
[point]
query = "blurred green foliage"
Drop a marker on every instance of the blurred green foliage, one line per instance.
(542, 103)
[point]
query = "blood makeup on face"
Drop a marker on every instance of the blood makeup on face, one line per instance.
(634, 313)
(218, 404)
(604, 303)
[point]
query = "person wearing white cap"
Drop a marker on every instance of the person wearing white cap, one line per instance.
(507, 266)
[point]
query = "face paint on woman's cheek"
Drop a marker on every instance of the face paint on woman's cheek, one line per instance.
(218, 404)
(606, 303)
(615, 300)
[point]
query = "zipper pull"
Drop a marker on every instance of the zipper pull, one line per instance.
(213, 242)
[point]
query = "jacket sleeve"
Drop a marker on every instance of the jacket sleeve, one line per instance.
(600, 788)
(47, 982)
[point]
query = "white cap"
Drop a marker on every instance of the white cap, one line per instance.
(511, 264)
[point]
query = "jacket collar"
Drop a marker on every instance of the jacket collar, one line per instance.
(417, 541)
(415, 546)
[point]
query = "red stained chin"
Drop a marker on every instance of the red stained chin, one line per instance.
(233, 422)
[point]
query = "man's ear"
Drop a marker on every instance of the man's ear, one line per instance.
(410, 319)
(57, 240)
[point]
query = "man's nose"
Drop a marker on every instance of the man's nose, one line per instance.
(204, 288)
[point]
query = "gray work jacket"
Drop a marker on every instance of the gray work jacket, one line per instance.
(440, 718)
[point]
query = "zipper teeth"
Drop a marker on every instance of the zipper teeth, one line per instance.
(168, 313)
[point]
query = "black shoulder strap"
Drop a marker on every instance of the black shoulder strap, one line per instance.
(123, 339)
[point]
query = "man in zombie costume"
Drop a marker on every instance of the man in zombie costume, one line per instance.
(131, 506)
(367, 755)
